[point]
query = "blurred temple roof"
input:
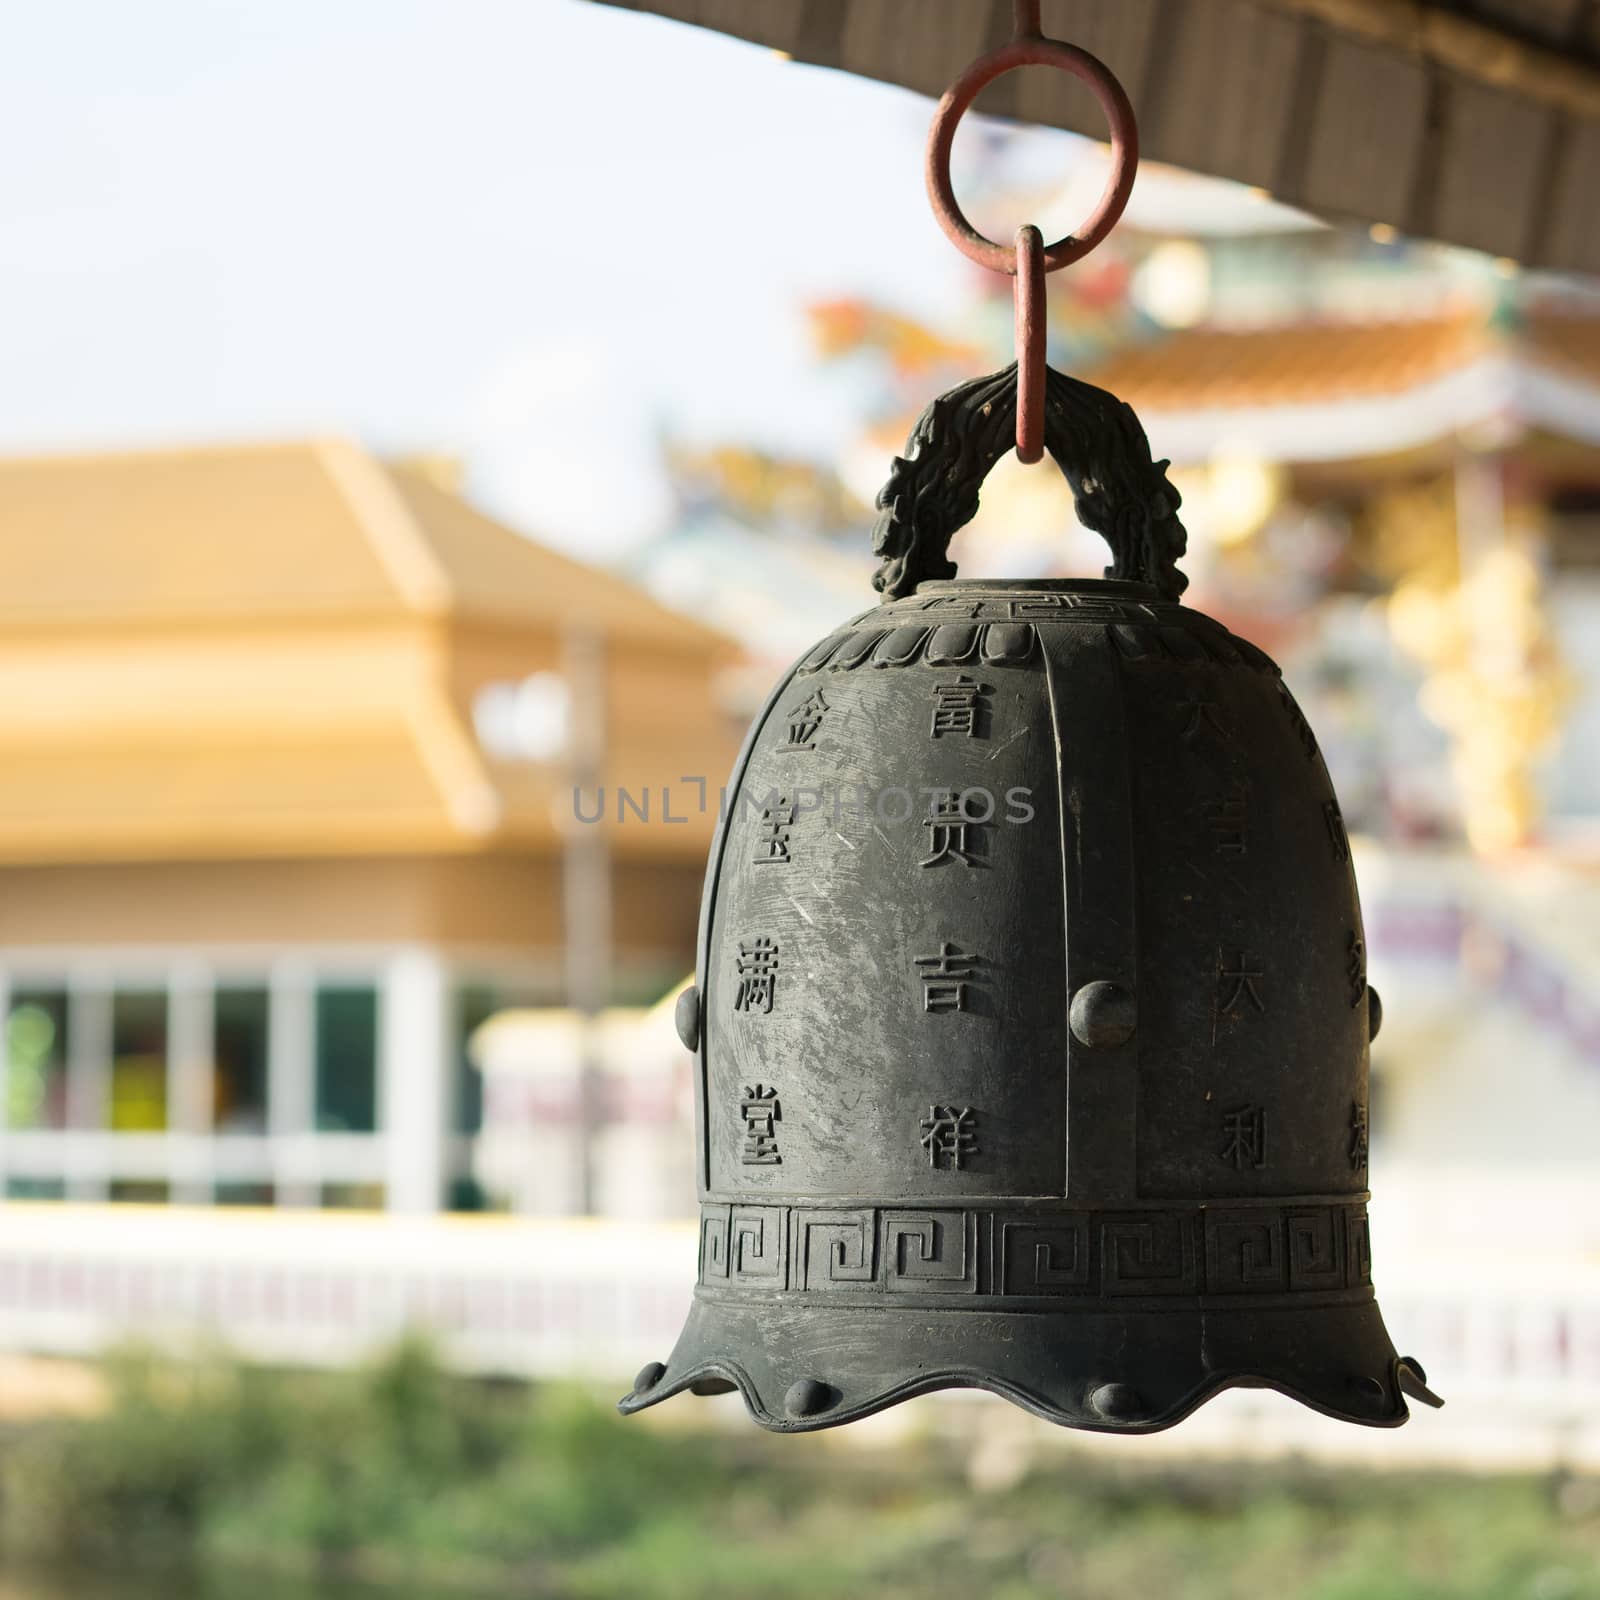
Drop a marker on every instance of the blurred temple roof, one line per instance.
(284, 649)
(302, 530)
(1321, 391)
(1472, 121)
(1283, 365)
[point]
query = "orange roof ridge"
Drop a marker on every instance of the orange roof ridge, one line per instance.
(1203, 368)
(193, 449)
(494, 572)
(402, 548)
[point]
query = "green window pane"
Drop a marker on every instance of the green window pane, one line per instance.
(139, 1191)
(347, 1058)
(36, 1059)
(475, 1004)
(36, 1189)
(139, 1061)
(239, 1056)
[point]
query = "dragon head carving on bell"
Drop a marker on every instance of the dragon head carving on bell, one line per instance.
(1032, 1018)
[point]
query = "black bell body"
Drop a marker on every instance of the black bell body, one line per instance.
(1032, 1028)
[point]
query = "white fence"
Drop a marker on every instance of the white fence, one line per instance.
(1518, 1361)
(324, 1288)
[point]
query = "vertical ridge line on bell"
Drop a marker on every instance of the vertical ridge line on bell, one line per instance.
(1085, 697)
(1028, 298)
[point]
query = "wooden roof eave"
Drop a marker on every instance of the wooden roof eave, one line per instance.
(1480, 131)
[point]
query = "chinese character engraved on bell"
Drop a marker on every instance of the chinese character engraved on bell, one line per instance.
(1244, 1133)
(761, 1113)
(1198, 716)
(757, 966)
(1358, 1134)
(949, 821)
(803, 721)
(1297, 720)
(945, 977)
(1237, 991)
(949, 1133)
(958, 708)
(775, 826)
(1338, 837)
(1355, 967)
(1228, 819)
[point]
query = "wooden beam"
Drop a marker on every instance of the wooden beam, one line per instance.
(1473, 49)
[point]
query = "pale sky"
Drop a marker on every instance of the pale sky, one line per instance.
(521, 230)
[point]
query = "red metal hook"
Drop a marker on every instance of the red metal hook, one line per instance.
(1025, 52)
(1028, 297)
(1030, 258)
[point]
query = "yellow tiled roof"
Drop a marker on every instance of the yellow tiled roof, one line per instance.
(278, 649)
(151, 537)
(296, 530)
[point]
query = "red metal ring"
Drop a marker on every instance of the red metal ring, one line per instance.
(1031, 52)
(1028, 294)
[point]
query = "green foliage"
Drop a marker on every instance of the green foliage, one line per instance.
(404, 1474)
(396, 1463)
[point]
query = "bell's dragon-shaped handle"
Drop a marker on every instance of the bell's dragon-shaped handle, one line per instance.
(1097, 442)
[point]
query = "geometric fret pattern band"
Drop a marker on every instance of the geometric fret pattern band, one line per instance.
(1083, 1256)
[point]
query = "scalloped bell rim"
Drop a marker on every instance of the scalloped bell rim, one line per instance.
(1406, 1378)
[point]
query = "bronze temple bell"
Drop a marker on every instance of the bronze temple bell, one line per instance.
(1032, 1018)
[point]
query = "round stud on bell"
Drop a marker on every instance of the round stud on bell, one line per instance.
(1102, 1016)
(1033, 1058)
(1116, 1402)
(686, 1017)
(805, 1397)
